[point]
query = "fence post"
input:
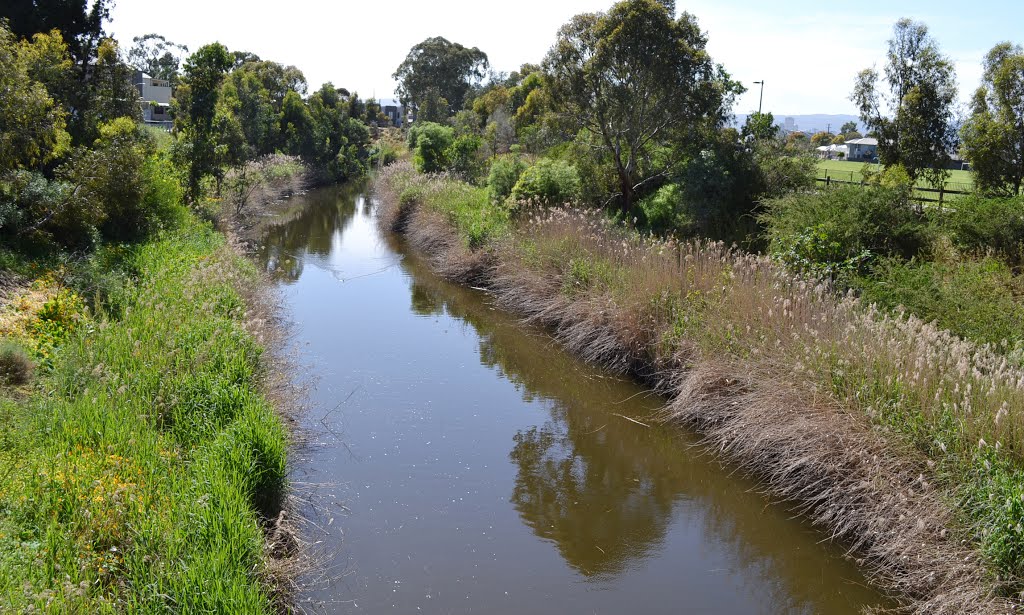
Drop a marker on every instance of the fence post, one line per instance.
(942, 191)
(828, 181)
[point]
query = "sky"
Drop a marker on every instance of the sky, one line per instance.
(807, 53)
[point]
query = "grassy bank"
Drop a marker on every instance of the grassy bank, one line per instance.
(139, 466)
(894, 436)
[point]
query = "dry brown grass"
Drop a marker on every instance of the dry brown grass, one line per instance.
(801, 389)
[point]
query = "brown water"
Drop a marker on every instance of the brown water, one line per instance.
(462, 463)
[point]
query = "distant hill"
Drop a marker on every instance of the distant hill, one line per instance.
(810, 123)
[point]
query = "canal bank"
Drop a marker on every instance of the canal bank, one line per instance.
(738, 344)
(465, 463)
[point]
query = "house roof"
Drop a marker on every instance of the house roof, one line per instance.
(863, 141)
(833, 148)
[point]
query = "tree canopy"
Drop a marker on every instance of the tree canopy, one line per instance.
(993, 135)
(913, 119)
(80, 23)
(636, 78)
(437, 69)
(156, 56)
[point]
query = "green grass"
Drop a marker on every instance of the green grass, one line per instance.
(134, 473)
(467, 208)
(851, 171)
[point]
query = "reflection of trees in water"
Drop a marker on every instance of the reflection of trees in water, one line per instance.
(319, 217)
(601, 510)
(603, 490)
(597, 495)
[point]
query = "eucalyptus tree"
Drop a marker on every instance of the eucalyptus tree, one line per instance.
(637, 80)
(993, 135)
(437, 70)
(156, 56)
(913, 116)
(196, 114)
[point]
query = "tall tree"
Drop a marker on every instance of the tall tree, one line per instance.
(760, 126)
(251, 103)
(197, 109)
(157, 57)
(636, 78)
(439, 69)
(914, 118)
(112, 94)
(993, 135)
(80, 23)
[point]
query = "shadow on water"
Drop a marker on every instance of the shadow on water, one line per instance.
(640, 516)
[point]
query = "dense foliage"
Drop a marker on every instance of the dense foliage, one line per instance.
(917, 132)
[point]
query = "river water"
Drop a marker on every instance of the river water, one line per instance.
(462, 463)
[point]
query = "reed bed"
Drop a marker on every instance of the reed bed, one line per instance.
(897, 438)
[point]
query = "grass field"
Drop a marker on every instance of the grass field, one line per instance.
(851, 171)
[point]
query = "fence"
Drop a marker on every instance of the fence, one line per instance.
(942, 192)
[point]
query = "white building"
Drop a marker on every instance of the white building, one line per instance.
(834, 152)
(155, 98)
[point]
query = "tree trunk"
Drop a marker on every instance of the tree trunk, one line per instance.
(626, 187)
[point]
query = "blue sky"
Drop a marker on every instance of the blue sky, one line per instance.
(807, 52)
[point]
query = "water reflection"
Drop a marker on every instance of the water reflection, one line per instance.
(607, 492)
(311, 229)
(558, 499)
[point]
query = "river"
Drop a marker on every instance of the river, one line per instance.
(460, 462)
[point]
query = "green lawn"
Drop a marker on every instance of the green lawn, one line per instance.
(851, 171)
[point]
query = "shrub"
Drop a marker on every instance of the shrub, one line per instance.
(973, 298)
(15, 365)
(383, 154)
(665, 211)
(980, 224)
(109, 181)
(430, 142)
(550, 182)
(462, 157)
(823, 230)
(504, 173)
(31, 204)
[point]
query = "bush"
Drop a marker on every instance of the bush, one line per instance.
(665, 211)
(15, 365)
(32, 206)
(974, 298)
(549, 182)
(834, 228)
(979, 224)
(382, 154)
(504, 173)
(430, 142)
(109, 180)
(462, 157)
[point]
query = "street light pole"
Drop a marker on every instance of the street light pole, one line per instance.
(761, 100)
